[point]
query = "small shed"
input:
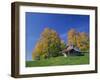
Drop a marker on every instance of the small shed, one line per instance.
(71, 50)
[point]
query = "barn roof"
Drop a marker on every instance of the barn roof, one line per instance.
(70, 48)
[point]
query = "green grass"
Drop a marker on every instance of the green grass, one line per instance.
(61, 60)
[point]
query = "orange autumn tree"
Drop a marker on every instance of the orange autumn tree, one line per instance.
(48, 45)
(72, 37)
(83, 41)
(78, 39)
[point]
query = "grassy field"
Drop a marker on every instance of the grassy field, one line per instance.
(61, 60)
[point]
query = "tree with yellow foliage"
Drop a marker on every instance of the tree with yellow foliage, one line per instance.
(48, 44)
(83, 41)
(78, 39)
(72, 37)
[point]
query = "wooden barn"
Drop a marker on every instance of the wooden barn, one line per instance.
(71, 51)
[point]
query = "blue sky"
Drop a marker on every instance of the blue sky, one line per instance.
(61, 23)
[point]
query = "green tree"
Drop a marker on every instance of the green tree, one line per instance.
(63, 45)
